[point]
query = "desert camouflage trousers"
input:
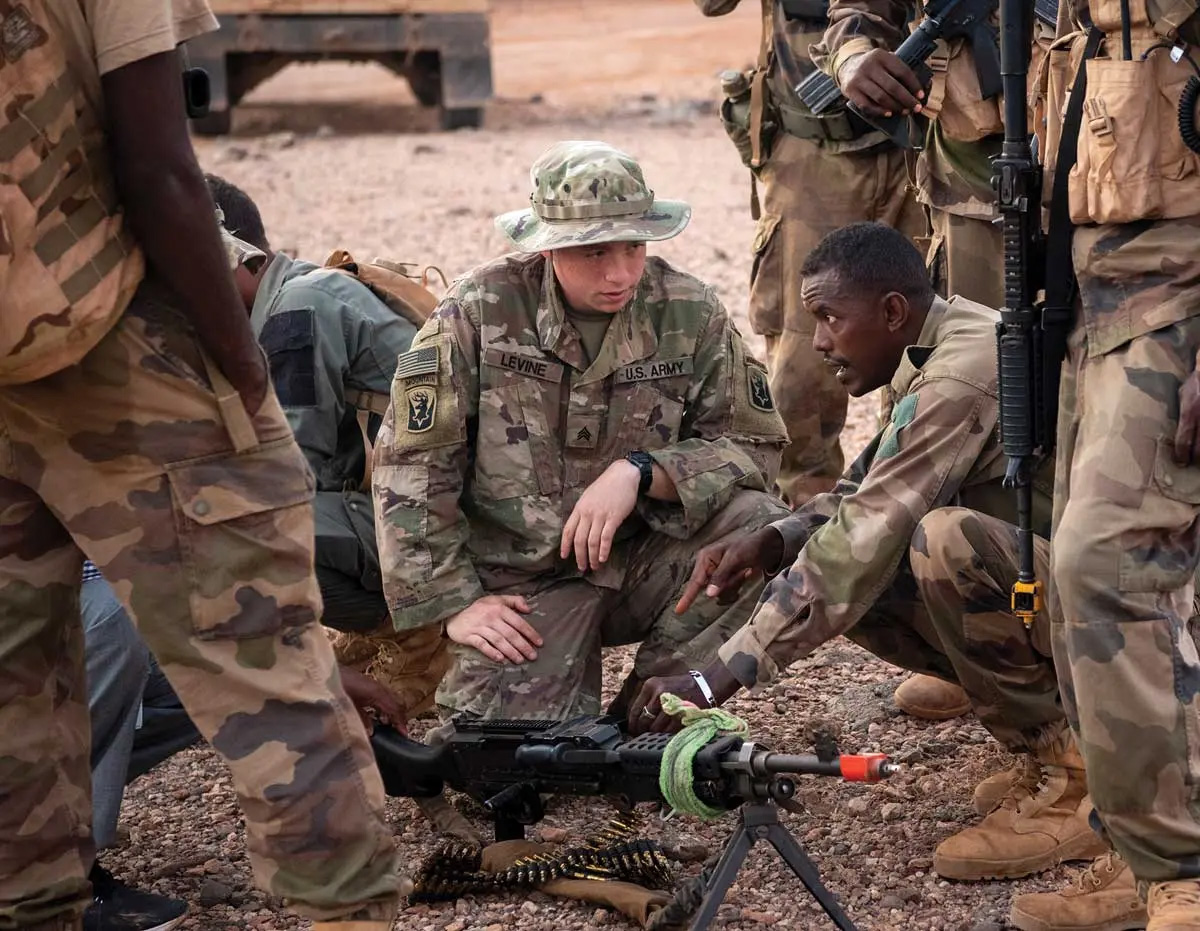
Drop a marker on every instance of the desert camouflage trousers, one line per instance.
(947, 614)
(966, 257)
(1126, 547)
(806, 193)
(576, 619)
(200, 517)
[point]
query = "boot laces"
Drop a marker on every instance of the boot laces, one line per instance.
(1090, 878)
(1184, 893)
(1031, 782)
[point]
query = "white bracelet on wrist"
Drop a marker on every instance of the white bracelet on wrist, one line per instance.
(705, 688)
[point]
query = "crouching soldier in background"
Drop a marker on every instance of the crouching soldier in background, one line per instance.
(572, 424)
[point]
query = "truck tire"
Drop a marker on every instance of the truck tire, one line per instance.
(215, 123)
(461, 118)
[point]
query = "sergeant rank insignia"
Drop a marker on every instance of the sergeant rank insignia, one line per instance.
(760, 390)
(422, 406)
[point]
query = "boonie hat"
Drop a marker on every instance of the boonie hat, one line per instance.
(590, 192)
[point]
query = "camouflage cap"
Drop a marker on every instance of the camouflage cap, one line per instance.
(239, 251)
(589, 192)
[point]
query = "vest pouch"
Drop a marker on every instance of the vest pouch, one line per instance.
(1052, 91)
(955, 99)
(735, 113)
(1132, 162)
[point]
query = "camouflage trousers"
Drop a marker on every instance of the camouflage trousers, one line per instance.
(947, 614)
(200, 517)
(576, 619)
(805, 193)
(966, 257)
(1126, 545)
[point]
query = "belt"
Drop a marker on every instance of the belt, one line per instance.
(833, 128)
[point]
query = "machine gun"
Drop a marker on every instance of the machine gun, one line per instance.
(508, 765)
(944, 19)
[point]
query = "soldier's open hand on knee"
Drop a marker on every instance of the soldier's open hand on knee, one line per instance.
(722, 568)
(493, 625)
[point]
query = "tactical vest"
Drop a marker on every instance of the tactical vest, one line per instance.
(406, 294)
(1132, 163)
(68, 267)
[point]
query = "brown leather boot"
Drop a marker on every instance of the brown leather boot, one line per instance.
(1025, 773)
(1028, 833)
(1103, 897)
(379, 925)
(1174, 906)
(931, 698)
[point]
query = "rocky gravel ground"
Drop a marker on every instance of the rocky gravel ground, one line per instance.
(379, 182)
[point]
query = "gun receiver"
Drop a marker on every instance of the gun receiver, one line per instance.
(944, 19)
(508, 765)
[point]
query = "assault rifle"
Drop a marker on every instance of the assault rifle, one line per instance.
(508, 765)
(944, 19)
(1024, 432)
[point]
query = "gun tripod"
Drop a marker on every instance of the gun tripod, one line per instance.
(756, 821)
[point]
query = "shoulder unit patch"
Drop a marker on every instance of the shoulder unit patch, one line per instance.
(759, 389)
(422, 408)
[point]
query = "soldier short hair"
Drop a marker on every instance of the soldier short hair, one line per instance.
(873, 258)
(241, 213)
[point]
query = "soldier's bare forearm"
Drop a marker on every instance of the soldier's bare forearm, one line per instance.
(662, 487)
(170, 210)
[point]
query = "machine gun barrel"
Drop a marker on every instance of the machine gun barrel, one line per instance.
(867, 767)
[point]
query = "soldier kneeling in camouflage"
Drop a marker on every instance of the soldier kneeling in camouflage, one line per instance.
(572, 424)
(913, 554)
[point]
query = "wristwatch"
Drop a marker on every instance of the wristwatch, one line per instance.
(645, 465)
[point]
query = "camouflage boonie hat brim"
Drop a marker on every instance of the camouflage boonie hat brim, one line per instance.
(586, 193)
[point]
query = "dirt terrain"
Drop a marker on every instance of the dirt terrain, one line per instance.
(341, 157)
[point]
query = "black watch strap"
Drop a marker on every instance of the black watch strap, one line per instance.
(645, 464)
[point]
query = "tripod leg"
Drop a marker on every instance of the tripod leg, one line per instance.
(723, 875)
(795, 857)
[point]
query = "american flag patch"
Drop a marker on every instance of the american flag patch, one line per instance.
(423, 361)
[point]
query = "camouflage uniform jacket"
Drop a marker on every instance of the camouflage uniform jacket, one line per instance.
(329, 340)
(954, 170)
(498, 425)
(941, 447)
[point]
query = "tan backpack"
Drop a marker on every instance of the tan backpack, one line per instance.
(405, 291)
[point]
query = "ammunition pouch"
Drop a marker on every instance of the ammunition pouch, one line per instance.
(1132, 162)
(832, 127)
(955, 98)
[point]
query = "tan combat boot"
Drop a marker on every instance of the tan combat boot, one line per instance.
(372, 925)
(931, 698)
(1104, 897)
(1028, 833)
(1174, 906)
(1026, 774)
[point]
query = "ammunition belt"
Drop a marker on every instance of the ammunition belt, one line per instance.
(613, 854)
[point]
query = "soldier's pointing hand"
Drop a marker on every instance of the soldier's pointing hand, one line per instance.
(722, 567)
